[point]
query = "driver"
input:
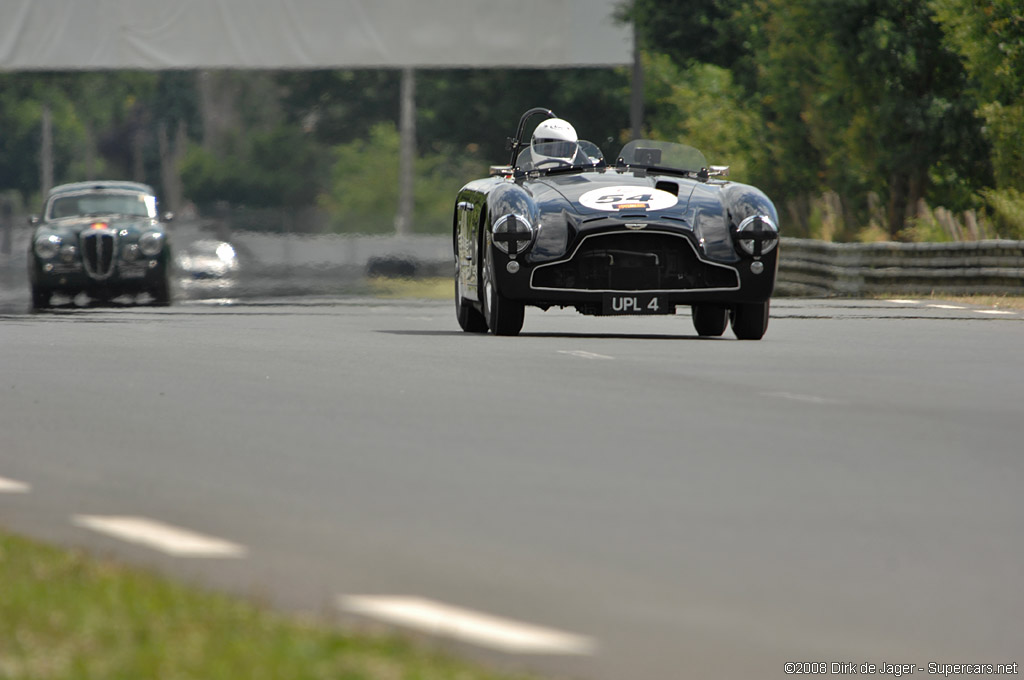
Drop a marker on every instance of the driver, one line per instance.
(554, 140)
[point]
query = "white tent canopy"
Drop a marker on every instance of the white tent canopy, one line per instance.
(304, 34)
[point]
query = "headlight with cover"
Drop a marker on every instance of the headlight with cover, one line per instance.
(513, 234)
(47, 247)
(763, 233)
(151, 243)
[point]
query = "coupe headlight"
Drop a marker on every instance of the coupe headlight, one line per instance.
(47, 247)
(225, 252)
(151, 243)
(513, 234)
(764, 233)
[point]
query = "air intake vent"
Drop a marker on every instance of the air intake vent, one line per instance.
(98, 249)
(635, 261)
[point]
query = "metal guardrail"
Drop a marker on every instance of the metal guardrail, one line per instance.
(806, 267)
(819, 268)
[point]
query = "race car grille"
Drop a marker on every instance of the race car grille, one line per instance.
(98, 248)
(634, 261)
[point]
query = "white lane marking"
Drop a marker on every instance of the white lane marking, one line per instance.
(979, 311)
(215, 302)
(13, 486)
(163, 537)
(583, 355)
(806, 398)
(465, 625)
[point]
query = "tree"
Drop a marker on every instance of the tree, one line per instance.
(113, 135)
(990, 38)
(278, 167)
(904, 98)
(703, 107)
(857, 96)
(362, 195)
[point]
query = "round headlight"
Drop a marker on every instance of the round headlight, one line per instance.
(225, 252)
(47, 246)
(512, 234)
(68, 253)
(151, 243)
(763, 230)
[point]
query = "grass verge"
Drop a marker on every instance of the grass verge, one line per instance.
(64, 615)
(438, 288)
(994, 301)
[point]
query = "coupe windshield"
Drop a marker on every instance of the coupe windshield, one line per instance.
(653, 154)
(140, 205)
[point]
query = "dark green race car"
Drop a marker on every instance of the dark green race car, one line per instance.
(101, 238)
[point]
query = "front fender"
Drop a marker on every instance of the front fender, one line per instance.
(512, 199)
(742, 201)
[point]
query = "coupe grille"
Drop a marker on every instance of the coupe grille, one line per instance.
(98, 248)
(634, 261)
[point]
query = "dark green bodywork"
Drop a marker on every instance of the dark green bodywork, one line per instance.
(98, 252)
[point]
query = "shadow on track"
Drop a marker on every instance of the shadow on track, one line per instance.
(574, 336)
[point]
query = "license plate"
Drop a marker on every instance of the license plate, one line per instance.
(634, 303)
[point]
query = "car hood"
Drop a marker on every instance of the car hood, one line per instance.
(609, 193)
(73, 226)
(685, 203)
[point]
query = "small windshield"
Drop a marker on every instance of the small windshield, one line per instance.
(581, 154)
(648, 153)
(140, 205)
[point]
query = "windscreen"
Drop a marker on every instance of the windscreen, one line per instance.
(650, 153)
(136, 205)
(581, 154)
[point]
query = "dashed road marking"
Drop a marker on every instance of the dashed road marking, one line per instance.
(992, 312)
(583, 355)
(214, 302)
(806, 398)
(159, 536)
(13, 486)
(465, 625)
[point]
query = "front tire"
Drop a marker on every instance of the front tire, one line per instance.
(41, 298)
(749, 320)
(504, 316)
(470, 320)
(709, 320)
(162, 292)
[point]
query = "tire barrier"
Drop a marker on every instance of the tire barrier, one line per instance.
(822, 269)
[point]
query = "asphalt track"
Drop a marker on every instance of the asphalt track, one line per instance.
(847, 490)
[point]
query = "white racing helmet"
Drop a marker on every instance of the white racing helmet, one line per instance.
(553, 140)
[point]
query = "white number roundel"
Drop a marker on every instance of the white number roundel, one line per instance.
(621, 198)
